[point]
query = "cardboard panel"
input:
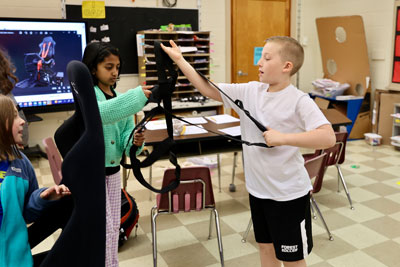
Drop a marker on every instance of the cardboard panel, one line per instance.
(321, 102)
(362, 125)
(350, 56)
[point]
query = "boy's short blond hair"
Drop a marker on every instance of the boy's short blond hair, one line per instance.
(291, 50)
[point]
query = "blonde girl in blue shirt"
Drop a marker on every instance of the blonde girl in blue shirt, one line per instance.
(21, 201)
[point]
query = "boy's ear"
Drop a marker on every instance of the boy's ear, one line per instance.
(288, 67)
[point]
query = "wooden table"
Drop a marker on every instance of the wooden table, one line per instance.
(197, 145)
(210, 143)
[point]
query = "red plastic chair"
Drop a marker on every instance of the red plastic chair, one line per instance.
(316, 169)
(336, 156)
(195, 193)
(54, 158)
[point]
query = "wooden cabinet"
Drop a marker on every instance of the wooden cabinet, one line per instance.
(197, 44)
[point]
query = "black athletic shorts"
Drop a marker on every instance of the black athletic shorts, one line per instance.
(286, 224)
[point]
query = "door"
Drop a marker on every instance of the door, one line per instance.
(253, 21)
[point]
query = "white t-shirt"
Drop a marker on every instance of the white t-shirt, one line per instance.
(276, 173)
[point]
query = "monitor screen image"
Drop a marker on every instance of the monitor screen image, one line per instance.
(40, 51)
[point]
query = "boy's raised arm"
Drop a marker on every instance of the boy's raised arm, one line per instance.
(204, 87)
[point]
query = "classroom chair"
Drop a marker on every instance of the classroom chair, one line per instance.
(195, 193)
(316, 169)
(54, 158)
(336, 156)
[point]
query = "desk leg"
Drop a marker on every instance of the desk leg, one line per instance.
(232, 186)
(219, 172)
(150, 180)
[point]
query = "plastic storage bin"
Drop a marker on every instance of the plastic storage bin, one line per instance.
(373, 139)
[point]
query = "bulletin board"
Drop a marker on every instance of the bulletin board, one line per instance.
(395, 75)
(124, 22)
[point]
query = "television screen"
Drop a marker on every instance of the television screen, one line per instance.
(40, 51)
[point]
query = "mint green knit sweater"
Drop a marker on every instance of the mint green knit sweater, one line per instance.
(116, 116)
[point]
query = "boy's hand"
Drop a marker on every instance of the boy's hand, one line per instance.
(273, 137)
(138, 137)
(174, 52)
(55, 192)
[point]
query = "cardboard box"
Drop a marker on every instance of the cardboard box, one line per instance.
(362, 125)
(375, 109)
(385, 121)
(345, 59)
(344, 52)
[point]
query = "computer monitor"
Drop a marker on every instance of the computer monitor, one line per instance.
(40, 50)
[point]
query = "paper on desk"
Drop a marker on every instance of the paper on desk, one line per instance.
(190, 129)
(233, 131)
(223, 118)
(161, 124)
(156, 125)
(195, 120)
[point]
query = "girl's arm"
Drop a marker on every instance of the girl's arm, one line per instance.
(37, 199)
(122, 106)
(204, 87)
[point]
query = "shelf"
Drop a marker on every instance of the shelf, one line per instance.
(199, 59)
(184, 55)
(177, 105)
(396, 125)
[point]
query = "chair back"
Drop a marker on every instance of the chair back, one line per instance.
(316, 168)
(81, 143)
(336, 153)
(54, 158)
(194, 192)
(341, 137)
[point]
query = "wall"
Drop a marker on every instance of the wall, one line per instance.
(215, 16)
(378, 23)
(211, 18)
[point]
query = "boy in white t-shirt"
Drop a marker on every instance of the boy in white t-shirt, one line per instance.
(276, 179)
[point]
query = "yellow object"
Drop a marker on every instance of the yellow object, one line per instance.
(93, 10)
(183, 130)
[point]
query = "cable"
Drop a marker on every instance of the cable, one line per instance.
(167, 3)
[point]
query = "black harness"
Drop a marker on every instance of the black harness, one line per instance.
(163, 92)
(167, 76)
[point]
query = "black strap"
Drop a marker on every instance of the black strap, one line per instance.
(239, 104)
(166, 83)
(217, 133)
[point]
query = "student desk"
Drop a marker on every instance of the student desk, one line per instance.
(196, 145)
(210, 143)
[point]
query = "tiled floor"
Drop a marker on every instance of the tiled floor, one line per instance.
(367, 236)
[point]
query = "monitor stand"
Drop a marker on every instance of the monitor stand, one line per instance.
(34, 151)
(32, 118)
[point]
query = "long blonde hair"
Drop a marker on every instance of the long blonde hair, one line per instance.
(8, 148)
